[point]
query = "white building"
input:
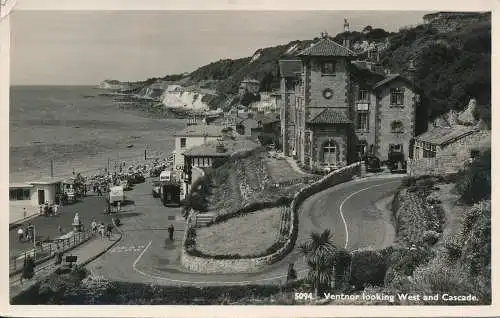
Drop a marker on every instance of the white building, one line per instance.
(31, 195)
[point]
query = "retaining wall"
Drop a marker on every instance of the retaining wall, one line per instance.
(248, 265)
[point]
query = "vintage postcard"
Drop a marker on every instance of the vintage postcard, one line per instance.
(282, 158)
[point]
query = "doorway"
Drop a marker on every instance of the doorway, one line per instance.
(41, 197)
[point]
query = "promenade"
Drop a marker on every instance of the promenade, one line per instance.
(88, 208)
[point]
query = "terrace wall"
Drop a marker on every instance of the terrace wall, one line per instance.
(212, 265)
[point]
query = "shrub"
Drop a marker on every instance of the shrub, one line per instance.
(431, 237)
(368, 267)
(475, 184)
(29, 268)
(453, 245)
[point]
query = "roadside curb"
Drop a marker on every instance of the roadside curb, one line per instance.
(90, 260)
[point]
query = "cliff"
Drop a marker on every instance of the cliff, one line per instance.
(176, 97)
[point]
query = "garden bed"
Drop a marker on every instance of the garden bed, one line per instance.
(251, 234)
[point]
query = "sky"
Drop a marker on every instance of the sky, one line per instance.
(86, 47)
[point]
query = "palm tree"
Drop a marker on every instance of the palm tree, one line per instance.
(320, 254)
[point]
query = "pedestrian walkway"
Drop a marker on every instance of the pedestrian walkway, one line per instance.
(50, 227)
(294, 165)
(85, 254)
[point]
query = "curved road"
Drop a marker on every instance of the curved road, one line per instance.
(144, 255)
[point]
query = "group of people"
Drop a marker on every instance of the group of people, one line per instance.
(101, 229)
(26, 234)
(49, 210)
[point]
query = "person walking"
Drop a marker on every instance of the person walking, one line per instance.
(24, 213)
(93, 226)
(171, 232)
(101, 230)
(55, 208)
(109, 230)
(20, 233)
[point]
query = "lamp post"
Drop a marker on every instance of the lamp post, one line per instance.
(34, 243)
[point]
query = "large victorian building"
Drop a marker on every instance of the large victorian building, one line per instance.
(335, 109)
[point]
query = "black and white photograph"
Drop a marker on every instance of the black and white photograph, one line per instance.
(249, 157)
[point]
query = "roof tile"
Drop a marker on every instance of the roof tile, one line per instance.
(443, 135)
(330, 116)
(327, 47)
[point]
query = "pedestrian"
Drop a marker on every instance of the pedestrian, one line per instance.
(109, 230)
(24, 213)
(55, 208)
(171, 232)
(60, 229)
(101, 230)
(118, 206)
(20, 233)
(93, 226)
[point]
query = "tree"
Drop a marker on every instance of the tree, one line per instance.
(320, 254)
(367, 29)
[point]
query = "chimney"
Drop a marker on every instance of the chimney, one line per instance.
(227, 133)
(346, 30)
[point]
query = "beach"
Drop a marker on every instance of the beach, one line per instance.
(79, 133)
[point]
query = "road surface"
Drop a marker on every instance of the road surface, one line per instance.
(146, 255)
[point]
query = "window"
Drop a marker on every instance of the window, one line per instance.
(363, 95)
(362, 120)
(396, 148)
(429, 150)
(183, 142)
(19, 194)
(397, 96)
(330, 152)
(328, 68)
(397, 127)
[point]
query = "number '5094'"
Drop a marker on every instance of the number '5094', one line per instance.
(303, 296)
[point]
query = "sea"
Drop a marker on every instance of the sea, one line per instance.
(79, 133)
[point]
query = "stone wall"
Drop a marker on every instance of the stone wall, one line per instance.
(246, 265)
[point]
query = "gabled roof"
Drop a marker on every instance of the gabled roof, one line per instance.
(391, 78)
(443, 135)
(290, 68)
(327, 47)
(330, 116)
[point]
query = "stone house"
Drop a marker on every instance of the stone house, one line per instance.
(444, 150)
(249, 85)
(342, 110)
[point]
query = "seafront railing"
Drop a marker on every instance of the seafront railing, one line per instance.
(45, 250)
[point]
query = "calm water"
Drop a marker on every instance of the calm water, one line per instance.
(78, 133)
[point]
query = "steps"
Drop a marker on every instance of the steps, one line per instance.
(204, 219)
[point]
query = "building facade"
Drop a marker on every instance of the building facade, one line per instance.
(342, 110)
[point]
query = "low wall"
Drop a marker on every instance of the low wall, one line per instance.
(247, 265)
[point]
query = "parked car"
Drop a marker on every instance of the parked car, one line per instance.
(372, 163)
(396, 162)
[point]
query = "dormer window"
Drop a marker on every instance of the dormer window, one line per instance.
(328, 68)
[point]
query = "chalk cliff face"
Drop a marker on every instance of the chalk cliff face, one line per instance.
(178, 98)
